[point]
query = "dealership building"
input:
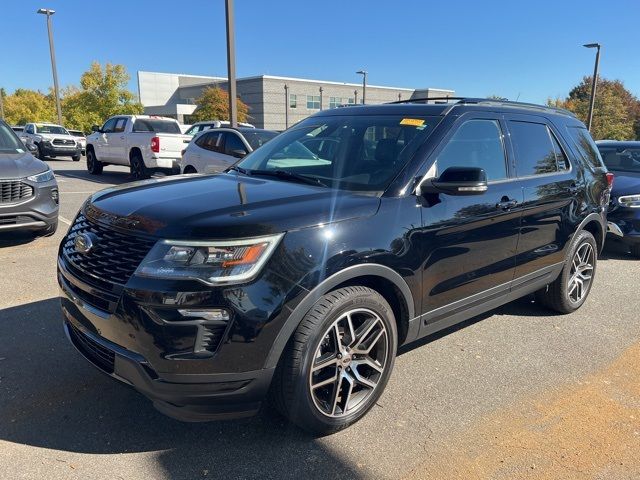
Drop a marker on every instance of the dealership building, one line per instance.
(274, 102)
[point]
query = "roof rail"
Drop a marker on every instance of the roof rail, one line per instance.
(487, 101)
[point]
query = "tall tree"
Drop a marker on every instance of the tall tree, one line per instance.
(213, 104)
(24, 106)
(103, 93)
(616, 113)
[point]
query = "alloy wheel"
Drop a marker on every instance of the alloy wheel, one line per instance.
(349, 362)
(581, 273)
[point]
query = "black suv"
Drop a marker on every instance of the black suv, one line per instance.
(298, 272)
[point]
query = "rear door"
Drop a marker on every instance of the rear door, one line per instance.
(470, 242)
(552, 190)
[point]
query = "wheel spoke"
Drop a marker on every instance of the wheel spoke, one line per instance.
(363, 337)
(369, 362)
(351, 381)
(336, 332)
(325, 382)
(363, 380)
(326, 362)
(336, 394)
(352, 332)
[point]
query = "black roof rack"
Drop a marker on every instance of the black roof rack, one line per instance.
(485, 101)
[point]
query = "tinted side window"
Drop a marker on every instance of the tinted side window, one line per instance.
(535, 154)
(476, 143)
(209, 141)
(109, 125)
(585, 146)
(561, 158)
(232, 143)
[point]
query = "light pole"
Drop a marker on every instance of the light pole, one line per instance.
(594, 82)
(321, 90)
(231, 64)
(48, 12)
(1, 105)
(286, 106)
(355, 97)
(364, 84)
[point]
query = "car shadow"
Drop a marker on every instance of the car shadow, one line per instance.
(615, 250)
(106, 177)
(50, 397)
(16, 238)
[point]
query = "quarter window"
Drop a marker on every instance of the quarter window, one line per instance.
(476, 143)
(313, 102)
(293, 100)
(585, 146)
(535, 152)
(209, 141)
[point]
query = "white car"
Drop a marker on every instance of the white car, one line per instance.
(80, 138)
(216, 149)
(51, 140)
(201, 126)
(144, 143)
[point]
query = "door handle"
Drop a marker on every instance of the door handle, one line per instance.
(121, 137)
(506, 204)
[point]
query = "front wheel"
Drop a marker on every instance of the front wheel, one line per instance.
(94, 166)
(76, 158)
(338, 362)
(570, 290)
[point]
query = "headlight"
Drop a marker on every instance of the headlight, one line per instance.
(42, 177)
(632, 201)
(211, 263)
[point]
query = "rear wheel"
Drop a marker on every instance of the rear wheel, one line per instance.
(570, 290)
(139, 170)
(76, 158)
(338, 361)
(94, 166)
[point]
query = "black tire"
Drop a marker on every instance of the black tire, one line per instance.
(49, 230)
(560, 295)
(635, 250)
(291, 391)
(94, 166)
(189, 170)
(40, 153)
(139, 170)
(76, 158)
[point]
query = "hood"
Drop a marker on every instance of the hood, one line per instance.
(227, 205)
(625, 183)
(54, 136)
(20, 165)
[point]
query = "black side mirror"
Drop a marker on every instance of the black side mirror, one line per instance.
(238, 153)
(95, 128)
(456, 181)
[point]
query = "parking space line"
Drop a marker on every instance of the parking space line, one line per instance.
(64, 220)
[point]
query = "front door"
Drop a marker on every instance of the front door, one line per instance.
(117, 143)
(101, 145)
(470, 242)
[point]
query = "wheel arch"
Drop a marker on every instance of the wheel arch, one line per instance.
(133, 152)
(383, 279)
(593, 223)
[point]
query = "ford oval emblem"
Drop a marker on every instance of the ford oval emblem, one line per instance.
(84, 243)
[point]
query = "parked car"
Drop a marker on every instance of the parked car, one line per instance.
(51, 140)
(302, 278)
(206, 125)
(80, 138)
(28, 189)
(144, 143)
(623, 159)
(216, 149)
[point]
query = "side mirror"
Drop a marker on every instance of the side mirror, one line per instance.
(238, 153)
(456, 181)
(95, 128)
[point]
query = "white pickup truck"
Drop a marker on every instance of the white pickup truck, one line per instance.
(145, 143)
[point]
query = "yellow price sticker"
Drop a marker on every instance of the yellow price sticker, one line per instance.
(415, 122)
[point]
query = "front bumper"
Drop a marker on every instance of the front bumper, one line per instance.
(157, 357)
(49, 149)
(35, 213)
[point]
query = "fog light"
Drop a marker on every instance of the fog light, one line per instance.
(54, 196)
(208, 315)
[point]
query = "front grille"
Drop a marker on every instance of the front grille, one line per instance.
(12, 191)
(101, 356)
(211, 337)
(114, 257)
(60, 141)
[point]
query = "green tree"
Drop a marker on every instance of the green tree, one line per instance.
(103, 93)
(213, 104)
(24, 106)
(616, 113)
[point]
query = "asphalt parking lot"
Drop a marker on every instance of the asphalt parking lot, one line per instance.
(517, 393)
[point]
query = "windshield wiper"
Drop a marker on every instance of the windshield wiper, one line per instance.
(287, 175)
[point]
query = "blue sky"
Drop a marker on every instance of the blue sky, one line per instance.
(509, 48)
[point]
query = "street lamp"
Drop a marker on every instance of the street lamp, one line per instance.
(231, 64)
(48, 12)
(594, 82)
(364, 84)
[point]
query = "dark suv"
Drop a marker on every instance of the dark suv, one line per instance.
(299, 272)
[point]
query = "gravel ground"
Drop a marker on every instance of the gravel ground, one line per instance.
(487, 399)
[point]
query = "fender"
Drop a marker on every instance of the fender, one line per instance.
(298, 313)
(601, 224)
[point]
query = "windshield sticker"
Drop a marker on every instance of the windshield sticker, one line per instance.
(414, 122)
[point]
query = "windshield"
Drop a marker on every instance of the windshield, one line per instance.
(359, 152)
(156, 125)
(9, 143)
(257, 139)
(626, 159)
(54, 129)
